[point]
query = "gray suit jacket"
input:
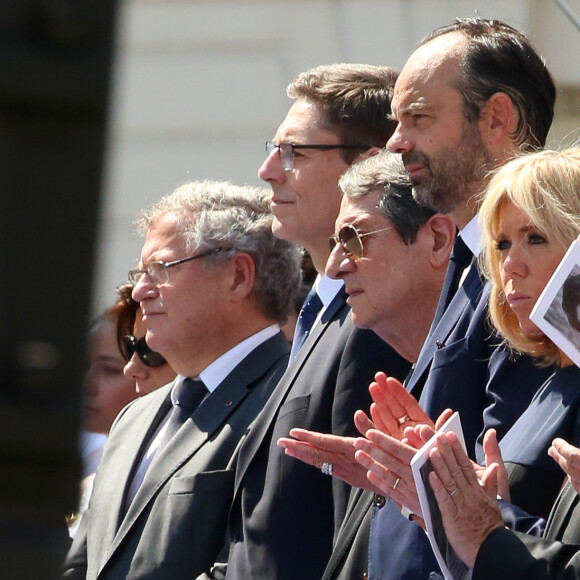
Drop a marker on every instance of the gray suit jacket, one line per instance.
(176, 525)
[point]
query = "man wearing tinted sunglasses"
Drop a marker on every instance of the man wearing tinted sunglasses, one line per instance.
(392, 255)
(212, 297)
(285, 513)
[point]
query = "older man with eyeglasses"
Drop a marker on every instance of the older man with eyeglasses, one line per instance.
(213, 285)
(392, 255)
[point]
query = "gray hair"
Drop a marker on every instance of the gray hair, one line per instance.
(385, 173)
(218, 214)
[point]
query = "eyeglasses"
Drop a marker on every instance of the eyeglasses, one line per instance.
(350, 238)
(286, 151)
(158, 270)
(147, 356)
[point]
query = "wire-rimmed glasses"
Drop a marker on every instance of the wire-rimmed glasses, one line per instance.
(158, 271)
(286, 151)
(350, 238)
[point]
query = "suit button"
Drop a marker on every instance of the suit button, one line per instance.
(235, 534)
(365, 576)
(379, 500)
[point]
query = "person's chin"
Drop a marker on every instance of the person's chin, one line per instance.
(358, 319)
(531, 330)
(282, 230)
(154, 338)
(143, 389)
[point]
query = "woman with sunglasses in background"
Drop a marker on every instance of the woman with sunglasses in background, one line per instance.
(106, 391)
(121, 367)
(146, 367)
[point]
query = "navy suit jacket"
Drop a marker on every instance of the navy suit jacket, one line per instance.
(285, 513)
(535, 478)
(176, 524)
(462, 365)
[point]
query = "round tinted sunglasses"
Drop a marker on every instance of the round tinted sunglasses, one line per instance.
(350, 238)
(147, 356)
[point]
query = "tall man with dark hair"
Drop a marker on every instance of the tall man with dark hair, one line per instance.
(473, 95)
(285, 514)
(462, 111)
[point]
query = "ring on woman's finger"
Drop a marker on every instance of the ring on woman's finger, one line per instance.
(403, 419)
(396, 482)
(326, 468)
(453, 492)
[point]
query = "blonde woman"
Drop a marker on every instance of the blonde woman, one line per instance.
(530, 215)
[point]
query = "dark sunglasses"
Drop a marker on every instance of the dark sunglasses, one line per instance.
(147, 356)
(350, 238)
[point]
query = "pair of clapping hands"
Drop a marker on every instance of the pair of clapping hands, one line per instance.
(379, 461)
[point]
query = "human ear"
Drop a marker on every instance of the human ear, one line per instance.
(443, 230)
(498, 119)
(243, 274)
(370, 152)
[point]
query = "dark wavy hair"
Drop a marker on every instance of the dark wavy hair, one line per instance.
(499, 58)
(386, 174)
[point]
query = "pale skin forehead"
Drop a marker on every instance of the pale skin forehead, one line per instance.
(355, 209)
(430, 67)
(304, 118)
(166, 232)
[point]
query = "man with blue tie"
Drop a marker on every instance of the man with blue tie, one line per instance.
(461, 112)
(285, 514)
(212, 296)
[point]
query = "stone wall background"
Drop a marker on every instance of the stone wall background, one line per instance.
(200, 86)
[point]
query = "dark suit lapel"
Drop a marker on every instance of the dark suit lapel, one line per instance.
(360, 503)
(128, 443)
(201, 426)
(469, 290)
(560, 514)
(266, 418)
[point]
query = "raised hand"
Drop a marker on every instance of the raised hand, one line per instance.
(387, 460)
(319, 449)
(568, 458)
(469, 510)
(394, 408)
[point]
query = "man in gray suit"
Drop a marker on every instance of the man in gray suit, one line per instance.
(213, 285)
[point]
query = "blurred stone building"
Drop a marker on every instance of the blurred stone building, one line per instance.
(200, 86)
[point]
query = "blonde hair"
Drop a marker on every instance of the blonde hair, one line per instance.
(546, 187)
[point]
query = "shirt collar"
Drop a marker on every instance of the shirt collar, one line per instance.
(215, 373)
(471, 235)
(327, 288)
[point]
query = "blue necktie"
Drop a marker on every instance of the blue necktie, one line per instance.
(188, 395)
(308, 313)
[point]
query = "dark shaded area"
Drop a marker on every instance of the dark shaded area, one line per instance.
(55, 58)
